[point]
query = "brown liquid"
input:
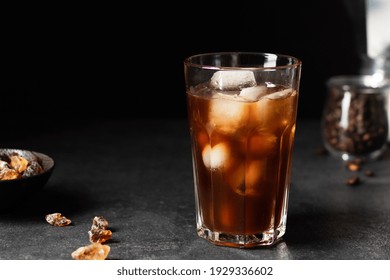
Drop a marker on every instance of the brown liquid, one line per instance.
(242, 159)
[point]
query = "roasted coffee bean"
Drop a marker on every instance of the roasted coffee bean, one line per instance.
(353, 181)
(357, 127)
(369, 173)
(352, 166)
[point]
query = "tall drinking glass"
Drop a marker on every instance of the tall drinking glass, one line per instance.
(242, 109)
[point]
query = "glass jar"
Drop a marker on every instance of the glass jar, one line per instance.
(381, 69)
(354, 121)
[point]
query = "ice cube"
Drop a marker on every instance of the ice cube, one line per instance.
(253, 176)
(275, 110)
(227, 114)
(262, 144)
(253, 93)
(280, 94)
(245, 178)
(216, 156)
(232, 80)
(235, 175)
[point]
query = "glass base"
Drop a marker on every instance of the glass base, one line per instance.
(261, 239)
(345, 156)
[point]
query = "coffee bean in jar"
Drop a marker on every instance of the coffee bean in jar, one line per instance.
(354, 121)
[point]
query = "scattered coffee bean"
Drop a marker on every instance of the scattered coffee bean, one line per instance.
(352, 166)
(353, 181)
(369, 173)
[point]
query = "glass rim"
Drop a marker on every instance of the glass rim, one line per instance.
(296, 62)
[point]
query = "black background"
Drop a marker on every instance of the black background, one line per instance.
(106, 60)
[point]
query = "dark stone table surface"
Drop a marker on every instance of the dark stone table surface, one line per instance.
(138, 175)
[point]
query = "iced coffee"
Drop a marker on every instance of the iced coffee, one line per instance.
(242, 126)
